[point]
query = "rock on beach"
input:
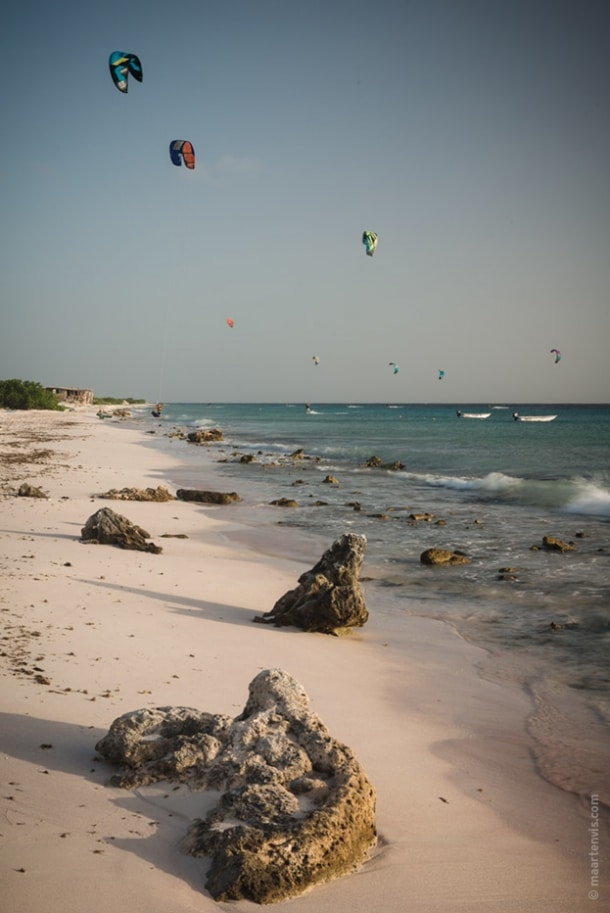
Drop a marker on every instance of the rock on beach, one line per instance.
(296, 807)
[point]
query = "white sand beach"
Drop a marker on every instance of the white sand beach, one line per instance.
(89, 632)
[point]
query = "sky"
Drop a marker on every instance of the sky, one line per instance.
(472, 136)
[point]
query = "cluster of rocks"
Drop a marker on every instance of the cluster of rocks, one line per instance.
(375, 462)
(160, 493)
(205, 436)
(295, 808)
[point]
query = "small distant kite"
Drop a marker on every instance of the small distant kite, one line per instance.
(441, 374)
(315, 360)
(395, 366)
(369, 239)
(180, 150)
(557, 355)
(230, 322)
(123, 65)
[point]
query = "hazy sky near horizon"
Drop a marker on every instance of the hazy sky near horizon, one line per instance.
(472, 136)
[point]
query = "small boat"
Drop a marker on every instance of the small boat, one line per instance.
(533, 418)
(472, 414)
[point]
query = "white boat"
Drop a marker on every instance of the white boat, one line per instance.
(533, 418)
(472, 414)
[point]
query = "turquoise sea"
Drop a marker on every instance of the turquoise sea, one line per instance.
(494, 487)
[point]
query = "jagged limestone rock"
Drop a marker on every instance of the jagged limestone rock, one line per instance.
(108, 528)
(329, 597)
(296, 808)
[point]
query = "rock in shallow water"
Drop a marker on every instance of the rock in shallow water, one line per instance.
(296, 808)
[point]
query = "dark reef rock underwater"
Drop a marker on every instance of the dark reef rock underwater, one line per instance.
(296, 808)
(329, 597)
(107, 528)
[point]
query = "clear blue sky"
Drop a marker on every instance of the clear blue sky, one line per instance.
(473, 136)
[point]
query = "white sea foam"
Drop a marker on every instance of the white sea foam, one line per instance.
(589, 499)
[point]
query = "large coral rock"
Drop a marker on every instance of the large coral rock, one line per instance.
(296, 808)
(108, 528)
(329, 597)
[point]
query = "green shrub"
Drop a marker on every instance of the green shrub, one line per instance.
(26, 394)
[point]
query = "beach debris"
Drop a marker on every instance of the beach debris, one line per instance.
(160, 493)
(181, 150)
(31, 491)
(295, 808)
(105, 527)
(443, 556)
(207, 497)
(423, 517)
(122, 66)
(329, 597)
(204, 436)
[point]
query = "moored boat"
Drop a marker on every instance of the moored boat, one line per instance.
(472, 414)
(533, 418)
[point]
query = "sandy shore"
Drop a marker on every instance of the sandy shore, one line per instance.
(90, 632)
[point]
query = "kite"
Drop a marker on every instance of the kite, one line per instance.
(557, 355)
(180, 150)
(369, 239)
(121, 66)
(315, 360)
(441, 374)
(231, 322)
(394, 365)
